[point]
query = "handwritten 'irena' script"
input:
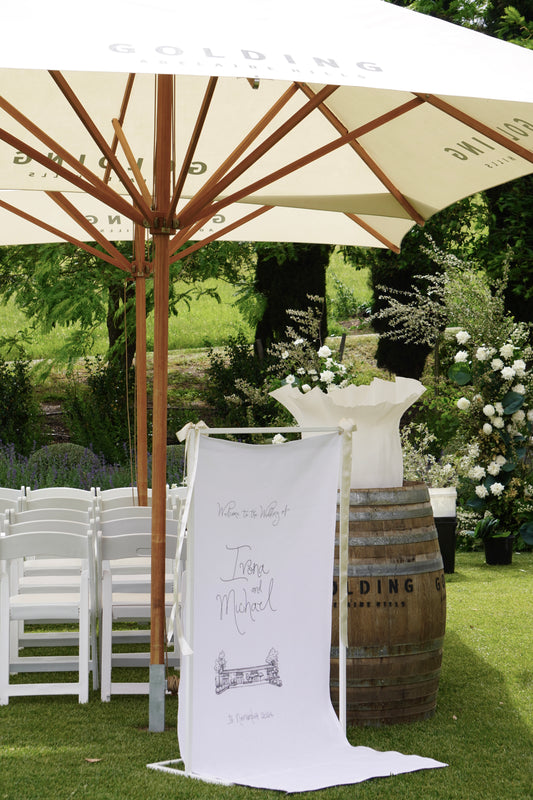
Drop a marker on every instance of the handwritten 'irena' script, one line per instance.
(248, 597)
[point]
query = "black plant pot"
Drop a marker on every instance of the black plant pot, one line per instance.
(499, 550)
(446, 531)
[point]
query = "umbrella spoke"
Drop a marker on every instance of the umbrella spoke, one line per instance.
(253, 157)
(105, 193)
(304, 161)
(373, 232)
(84, 223)
(193, 144)
(198, 200)
(122, 264)
(480, 127)
(214, 236)
(141, 183)
(99, 140)
(187, 233)
(100, 192)
(121, 117)
(368, 160)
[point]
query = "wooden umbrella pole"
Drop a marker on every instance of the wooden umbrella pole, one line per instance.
(159, 448)
(160, 233)
(140, 367)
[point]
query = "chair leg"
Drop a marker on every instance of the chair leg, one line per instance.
(84, 641)
(5, 640)
(106, 638)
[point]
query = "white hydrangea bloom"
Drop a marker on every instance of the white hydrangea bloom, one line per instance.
(477, 473)
(300, 371)
(481, 491)
(507, 350)
(482, 354)
(497, 489)
(290, 379)
(498, 408)
(327, 376)
(461, 356)
(497, 364)
(278, 439)
(462, 337)
(519, 388)
(519, 416)
(498, 422)
(530, 415)
(501, 460)
(285, 354)
(493, 468)
(324, 351)
(487, 428)
(519, 367)
(306, 388)
(489, 410)
(463, 403)
(508, 373)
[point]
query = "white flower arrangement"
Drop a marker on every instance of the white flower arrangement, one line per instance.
(312, 367)
(497, 423)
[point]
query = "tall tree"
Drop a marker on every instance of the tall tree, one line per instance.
(285, 276)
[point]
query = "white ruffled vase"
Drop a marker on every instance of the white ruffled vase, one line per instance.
(375, 410)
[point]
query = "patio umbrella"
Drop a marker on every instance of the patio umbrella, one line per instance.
(369, 115)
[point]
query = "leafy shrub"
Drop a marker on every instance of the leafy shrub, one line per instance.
(20, 422)
(236, 386)
(63, 464)
(97, 411)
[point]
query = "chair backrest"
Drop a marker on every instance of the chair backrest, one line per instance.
(73, 503)
(122, 496)
(60, 492)
(10, 498)
(41, 514)
(137, 523)
(54, 544)
(48, 527)
(131, 545)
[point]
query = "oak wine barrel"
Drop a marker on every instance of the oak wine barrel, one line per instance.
(396, 607)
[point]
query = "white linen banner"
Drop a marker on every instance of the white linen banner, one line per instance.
(254, 705)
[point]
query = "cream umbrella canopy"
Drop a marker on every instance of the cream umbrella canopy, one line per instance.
(366, 116)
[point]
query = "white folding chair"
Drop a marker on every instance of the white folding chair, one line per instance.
(120, 497)
(49, 608)
(127, 603)
(10, 498)
(52, 574)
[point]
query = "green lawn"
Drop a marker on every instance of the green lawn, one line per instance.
(207, 321)
(55, 749)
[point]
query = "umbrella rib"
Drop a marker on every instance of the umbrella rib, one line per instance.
(237, 224)
(264, 147)
(186, 233)
(106, 194)
(364, 156)
(197, 201)
(84, 223)
(128, 152)
(99, 140)
(312, 156)
(202, 115)
(65, 236)
(373, 232)
(472, 122)
(121, 117)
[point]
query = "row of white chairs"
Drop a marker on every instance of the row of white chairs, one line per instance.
(88, 565)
